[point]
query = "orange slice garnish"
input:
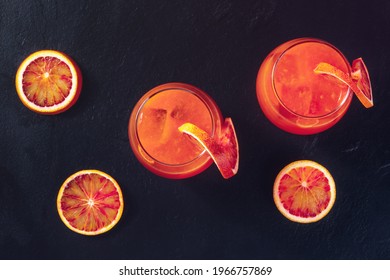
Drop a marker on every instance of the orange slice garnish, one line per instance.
(360, 74)
(304, 191)
(359, 81)
(223, 148)
(90, 202)
(48, 82)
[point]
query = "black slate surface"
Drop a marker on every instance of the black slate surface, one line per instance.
(124, 48)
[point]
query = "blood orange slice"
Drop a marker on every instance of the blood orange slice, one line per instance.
(359, 81)
(48, 82)
(223, 148)
(304, 191)
(90, 202)
(360, 74)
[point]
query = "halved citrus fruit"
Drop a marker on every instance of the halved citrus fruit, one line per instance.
(304, 191)
(223, 148)
(48, 82)
(90, 202)
(359, 81)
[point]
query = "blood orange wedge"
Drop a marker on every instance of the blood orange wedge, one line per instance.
(48, 82)
(304, 191)
(359, 81)
(223, 148)
(90, 202)
(360, 74)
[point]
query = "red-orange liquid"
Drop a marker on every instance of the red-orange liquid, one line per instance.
(296, 99)
(158, 124)
(154, 134)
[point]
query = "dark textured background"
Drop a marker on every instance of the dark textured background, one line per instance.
(124, 48)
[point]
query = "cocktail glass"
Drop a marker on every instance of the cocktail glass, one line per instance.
(153, 129)
(296, 99)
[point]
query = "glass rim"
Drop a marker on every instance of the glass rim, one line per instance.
(174, 86)
(302, 41)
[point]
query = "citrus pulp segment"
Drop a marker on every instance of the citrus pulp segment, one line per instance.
(90, 202)
(223, 149)
(48, 82)
(304, 191)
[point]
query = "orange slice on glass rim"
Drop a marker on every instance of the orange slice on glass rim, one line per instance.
(304, 191)
(223, 148)
(359, 81)
(48, 82)
(90, 202)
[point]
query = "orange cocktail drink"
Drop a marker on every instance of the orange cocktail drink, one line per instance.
(154, 135)
(296, 99)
